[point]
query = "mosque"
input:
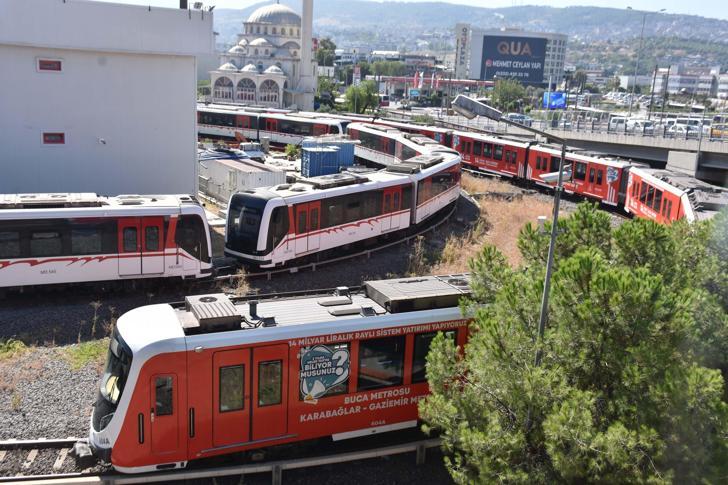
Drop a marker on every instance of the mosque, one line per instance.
(269, 66)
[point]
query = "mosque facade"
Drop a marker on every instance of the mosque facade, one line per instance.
(264, 67)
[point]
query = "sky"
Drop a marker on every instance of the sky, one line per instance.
(705, 8)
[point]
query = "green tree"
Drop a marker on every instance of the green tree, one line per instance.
(389, 68)
(363, 97)
(508, 94)
(580, 80)
(325, 54)
(630, 386)
(326, 90)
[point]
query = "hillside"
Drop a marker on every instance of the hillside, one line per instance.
(396, 20)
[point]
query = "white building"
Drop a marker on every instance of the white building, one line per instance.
(688, 80)
(99, 97)
(266, 66)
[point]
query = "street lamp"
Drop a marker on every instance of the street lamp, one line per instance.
(471, 108)
(639, 52)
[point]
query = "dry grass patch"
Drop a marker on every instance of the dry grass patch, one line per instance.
(481, 185)
(499, 225)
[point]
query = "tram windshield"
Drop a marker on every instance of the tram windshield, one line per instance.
(118, 364)
(243, 222)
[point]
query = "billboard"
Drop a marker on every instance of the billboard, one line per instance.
(520, 58)
(555, 100)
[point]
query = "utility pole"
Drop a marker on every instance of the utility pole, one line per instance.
(639, 52)
(665, 94)
(652, 93)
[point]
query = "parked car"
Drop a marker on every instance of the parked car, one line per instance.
(617, 123)
(686, 131)
(519, 118)
(646, 127)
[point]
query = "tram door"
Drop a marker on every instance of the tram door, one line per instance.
(163, 414)
(269, 396)
(231, 397)
(152, 236)
(391, 203)
(130, 261)
(308, 223)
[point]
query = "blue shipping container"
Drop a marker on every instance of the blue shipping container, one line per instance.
(317, 161)
(345, 146)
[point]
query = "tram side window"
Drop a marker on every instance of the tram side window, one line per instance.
(538, 163)
(591, 175)
(191, 237)
(86, 240)
(408, 153)
(278, 227)
(232, 388)
(163, 396)
(130, 239)
(270, 382)
(295, 127)
(600, 175)
(407, 197)
(335, 214)
(556, 161)
(498, 152)
(487, 150)
(478, 148)
(650, 195)
(422, 347)
(658, 200)
(380, 363)
(45, 243)
(9, 244)
(643, 192)
(580, 171)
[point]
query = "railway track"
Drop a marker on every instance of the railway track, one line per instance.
(275, 467)
(52, 457)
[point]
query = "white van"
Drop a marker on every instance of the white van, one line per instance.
(617, 123)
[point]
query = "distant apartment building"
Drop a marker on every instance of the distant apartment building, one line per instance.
(626, 82)
(99, 97)
(385, 56)
(723, 86)
(533, 58)
(688, 80)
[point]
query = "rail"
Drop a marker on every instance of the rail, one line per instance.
(276, 468)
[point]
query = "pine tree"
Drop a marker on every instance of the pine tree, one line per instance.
(631, 387)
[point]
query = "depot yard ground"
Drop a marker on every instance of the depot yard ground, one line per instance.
(53, 344)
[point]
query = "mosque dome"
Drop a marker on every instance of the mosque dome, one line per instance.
(260, 42)
(243, 43)
(249, 68)
(274, 70)
(276, 14)
(228, 66)
(237, 49)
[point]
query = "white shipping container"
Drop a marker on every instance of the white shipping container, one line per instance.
(220, 178)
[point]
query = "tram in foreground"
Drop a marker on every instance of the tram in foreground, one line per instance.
(218, 375)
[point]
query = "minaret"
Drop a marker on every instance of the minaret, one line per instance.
(307, 80)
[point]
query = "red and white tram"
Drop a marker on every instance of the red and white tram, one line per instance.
(218, 375)
(271, 226)
(664, 196)
(70, 238)
(235, 122)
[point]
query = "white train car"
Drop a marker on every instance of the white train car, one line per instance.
(72, 238)
(272, 226)
(242, 123)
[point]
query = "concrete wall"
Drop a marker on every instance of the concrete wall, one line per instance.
(129, 122)
(129, 117)
(80, 24)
